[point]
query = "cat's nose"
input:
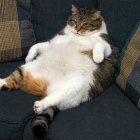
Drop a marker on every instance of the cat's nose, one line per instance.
(78, 32)
(78, 28)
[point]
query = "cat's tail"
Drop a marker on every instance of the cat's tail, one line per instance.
(41, 122)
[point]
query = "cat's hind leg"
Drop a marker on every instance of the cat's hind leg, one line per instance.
(66, 93)
(41, 122)
(20, 79)
(2, 83)
(13, 81)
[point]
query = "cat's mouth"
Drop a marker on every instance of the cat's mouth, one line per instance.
(76, 33)
(79, 33)
(86, 33)
(83, 33)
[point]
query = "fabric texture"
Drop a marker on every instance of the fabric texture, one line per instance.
(121, 17)
(129, 67)
(16, 30)
(50, 16)
(107, 117)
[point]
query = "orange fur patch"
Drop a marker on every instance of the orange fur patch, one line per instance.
(27, 82)
(13, 80)
(35, 86)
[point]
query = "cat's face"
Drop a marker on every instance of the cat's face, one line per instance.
(83, 21)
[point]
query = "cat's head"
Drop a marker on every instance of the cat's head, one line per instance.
(83, 21)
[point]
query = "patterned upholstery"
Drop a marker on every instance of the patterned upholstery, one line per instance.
(16, 31)
(129, 75)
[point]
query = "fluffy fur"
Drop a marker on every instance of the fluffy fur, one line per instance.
(79, 59)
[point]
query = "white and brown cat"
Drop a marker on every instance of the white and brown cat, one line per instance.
(73, 67)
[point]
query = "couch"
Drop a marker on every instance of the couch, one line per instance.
(110, 116)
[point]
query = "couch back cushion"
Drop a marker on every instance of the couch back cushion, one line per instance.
(129, 67)
(50, 16)
(121, 17)
(16, 30)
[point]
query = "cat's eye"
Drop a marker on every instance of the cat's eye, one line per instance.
(71, 22)
(94, 18)
(93, 28)
(87, 24)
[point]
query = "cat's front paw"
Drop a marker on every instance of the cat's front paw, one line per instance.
(31, 55)
(2, 83)
(98, 58)
(38, 107)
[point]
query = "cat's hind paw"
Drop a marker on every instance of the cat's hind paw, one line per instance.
(38, 107)
(2, 83)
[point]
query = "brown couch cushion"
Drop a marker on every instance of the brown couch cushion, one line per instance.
(16, 31)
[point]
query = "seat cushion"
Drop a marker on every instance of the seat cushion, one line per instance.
(16, 30)
(109, 116)
(50, 16)
(16, 107)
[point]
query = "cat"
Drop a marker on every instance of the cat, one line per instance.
(74, 66)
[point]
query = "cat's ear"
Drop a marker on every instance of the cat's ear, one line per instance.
(75, 9)
(96, 14)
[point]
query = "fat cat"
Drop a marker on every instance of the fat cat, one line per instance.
(73, 67)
